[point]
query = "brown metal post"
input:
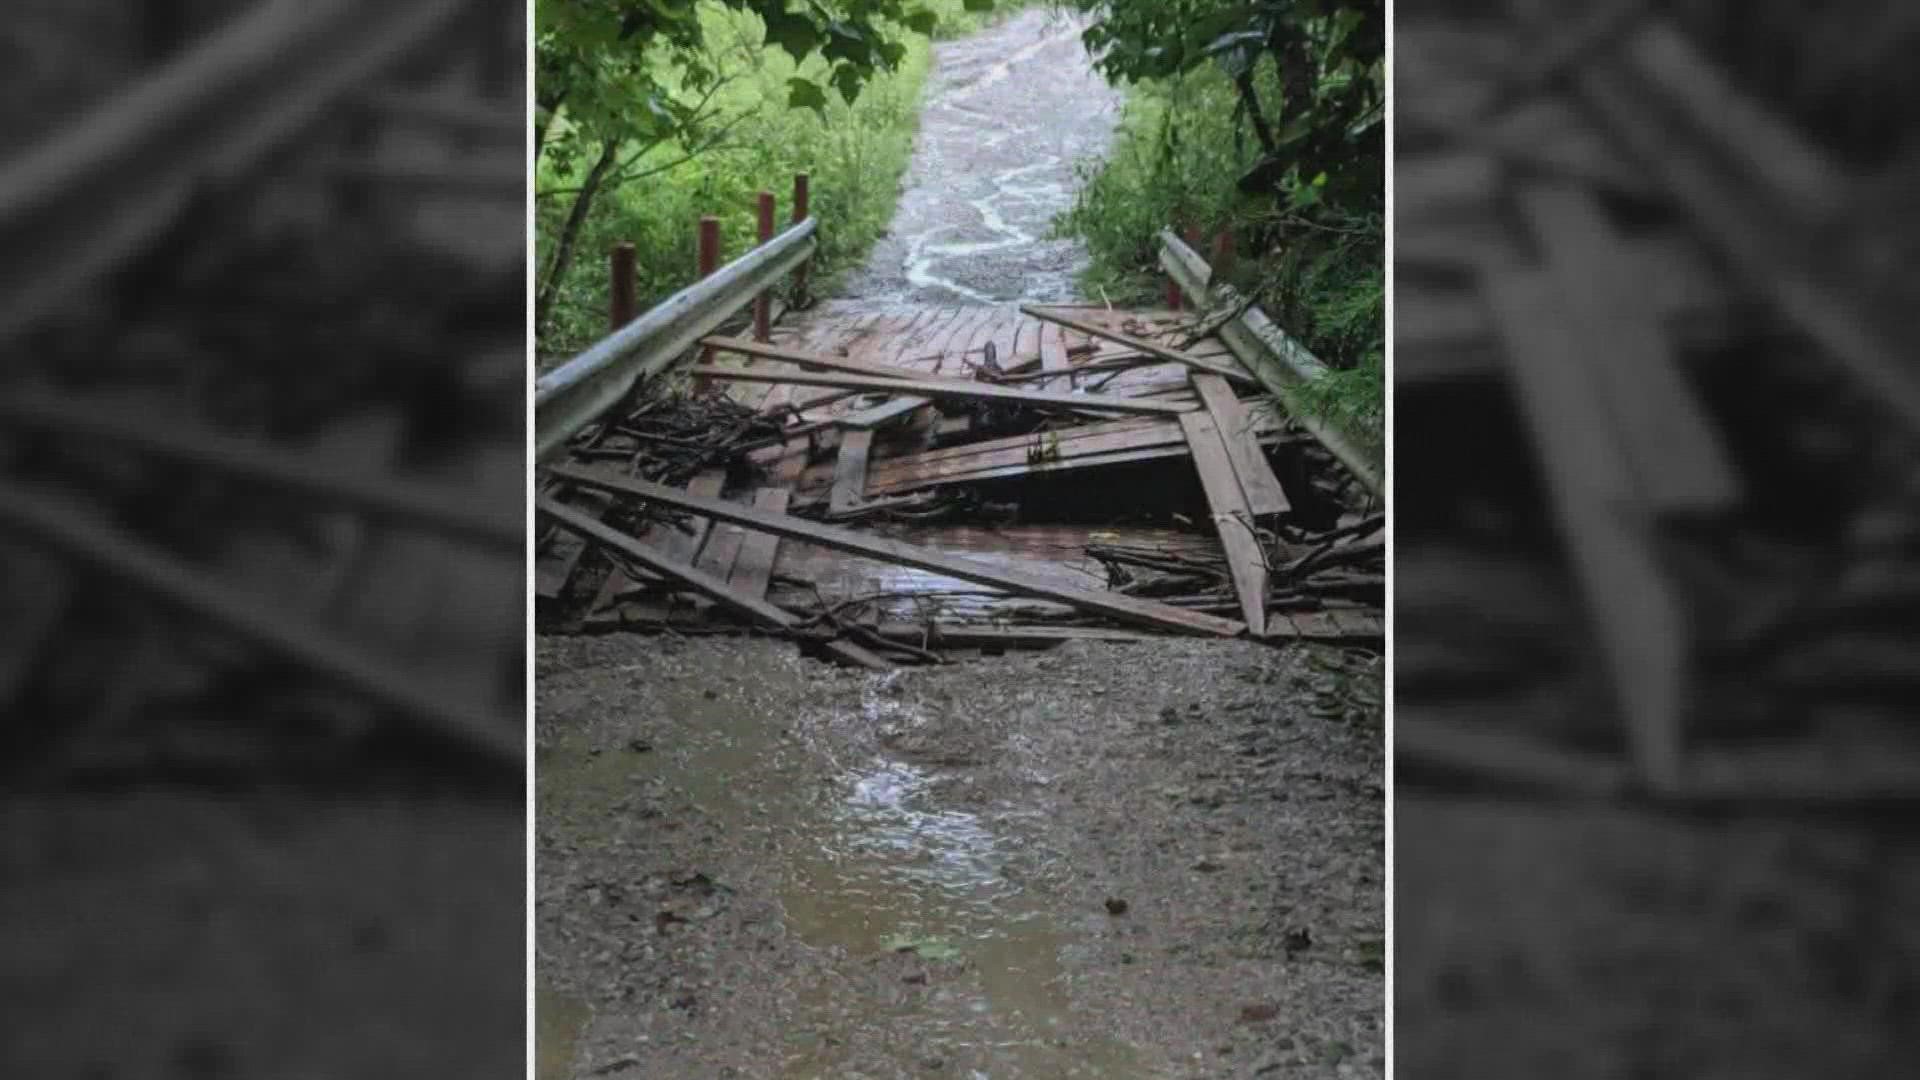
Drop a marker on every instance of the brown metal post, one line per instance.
(763, 306)
(801, 183)
(1223, 254)
(622, 299)
(709, 260)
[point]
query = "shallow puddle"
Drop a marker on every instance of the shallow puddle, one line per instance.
(870, 861)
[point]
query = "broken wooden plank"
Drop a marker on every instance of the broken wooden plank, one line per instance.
(850, 472)
(1240, 432)
(1637, 615)
(552, 573)
(684, 542)
(1246, 558)
(1151, 348)
(1091, 446)
(677, 544)
(959, 389)
(718, 591)
(754, 567)
(1113, 605)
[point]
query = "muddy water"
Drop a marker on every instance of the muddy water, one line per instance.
(1009, 113)
(870, 858)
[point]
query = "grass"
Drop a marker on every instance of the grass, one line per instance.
(1175, 161)
(856, 155)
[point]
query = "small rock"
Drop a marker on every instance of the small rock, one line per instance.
(711, 694)
(1209, 866)
(933, 1064)
(1170, 716)
(918, 978)
(1297, 939)
(1116, 906)
(639, 746)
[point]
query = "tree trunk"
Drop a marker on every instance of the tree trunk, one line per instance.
(569, 236)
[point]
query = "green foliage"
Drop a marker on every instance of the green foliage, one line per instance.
(765, 128)
(1303, 197)
(1321, 125)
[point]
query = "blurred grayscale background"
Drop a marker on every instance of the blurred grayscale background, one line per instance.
(1658, 511)
(262, 566)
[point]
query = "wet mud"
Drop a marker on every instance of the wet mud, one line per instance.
(1105, 861)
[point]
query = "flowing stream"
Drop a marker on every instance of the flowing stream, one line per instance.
(1010, 113)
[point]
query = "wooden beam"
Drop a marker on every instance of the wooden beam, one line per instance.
(850, 472)
(806, 359)
(967, 635)
(1240, 432)
(752, 607)
(1246, 559)
(1154, 349)
(753, 570)
(958, 389)
(1113, 605)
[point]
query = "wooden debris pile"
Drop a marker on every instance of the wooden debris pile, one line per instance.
(892, 487)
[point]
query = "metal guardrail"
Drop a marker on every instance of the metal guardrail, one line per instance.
(575, 394)
(1277, 360)
(82, 200)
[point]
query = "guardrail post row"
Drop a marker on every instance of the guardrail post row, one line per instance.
(709, 260)
(801, 190)
(622, 302)
(763, 307)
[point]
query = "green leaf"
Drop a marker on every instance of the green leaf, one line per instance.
(806, 94)
(795, 33)
(845, 44)
(977, 6)
(848, 79)
(923, 22)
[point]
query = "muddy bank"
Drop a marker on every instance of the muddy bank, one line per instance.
(1009, 113)
(1105, 861)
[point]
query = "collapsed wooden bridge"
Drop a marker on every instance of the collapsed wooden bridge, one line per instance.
(894, 484)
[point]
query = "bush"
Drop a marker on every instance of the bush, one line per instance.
(1177, 161)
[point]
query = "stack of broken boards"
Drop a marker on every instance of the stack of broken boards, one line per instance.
(879, 412)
